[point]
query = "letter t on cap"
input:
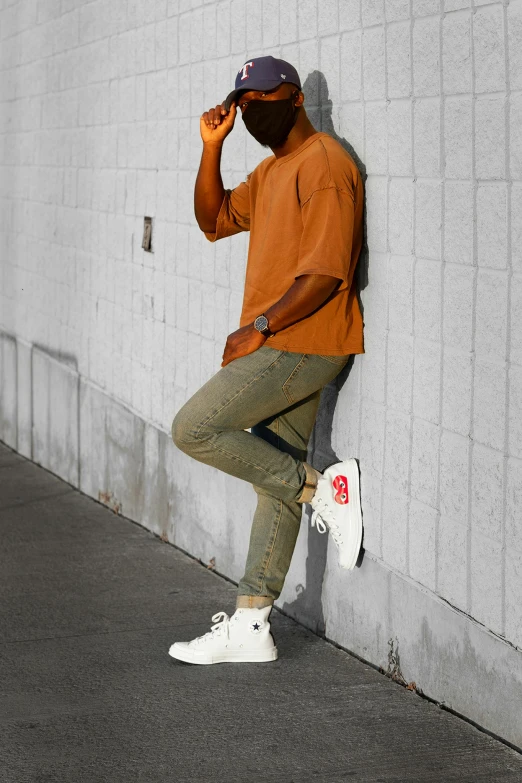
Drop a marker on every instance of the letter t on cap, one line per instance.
(244, 69)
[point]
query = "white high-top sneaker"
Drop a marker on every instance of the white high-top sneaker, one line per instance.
(337, 505)
(243, 637)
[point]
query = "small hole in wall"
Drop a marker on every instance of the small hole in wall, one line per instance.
(147, 234)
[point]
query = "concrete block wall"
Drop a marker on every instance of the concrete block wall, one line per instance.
(103, 342)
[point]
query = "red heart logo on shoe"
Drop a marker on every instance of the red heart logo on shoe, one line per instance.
(340, 484)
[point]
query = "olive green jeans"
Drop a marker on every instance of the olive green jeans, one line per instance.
(276, 395)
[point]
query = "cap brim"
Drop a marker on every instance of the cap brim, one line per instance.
(229, 100)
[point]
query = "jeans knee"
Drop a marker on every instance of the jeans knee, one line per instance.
(182, 431)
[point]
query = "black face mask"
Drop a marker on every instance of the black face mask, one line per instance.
(270, 122)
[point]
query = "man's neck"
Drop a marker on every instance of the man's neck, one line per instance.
(301, 131)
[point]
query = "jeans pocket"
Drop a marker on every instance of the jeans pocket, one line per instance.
(310, 373)
(335, 359)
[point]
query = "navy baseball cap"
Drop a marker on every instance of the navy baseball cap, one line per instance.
(262, 73)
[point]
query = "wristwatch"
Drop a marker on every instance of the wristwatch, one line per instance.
(261, 324)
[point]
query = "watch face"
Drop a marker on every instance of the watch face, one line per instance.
(261, 323)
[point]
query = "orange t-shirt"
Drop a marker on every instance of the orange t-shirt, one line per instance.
(304, 212)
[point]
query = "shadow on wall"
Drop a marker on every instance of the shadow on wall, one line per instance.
(307, 607)
(30, 396)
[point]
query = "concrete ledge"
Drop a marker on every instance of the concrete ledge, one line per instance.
(55, 416)
(24, 402)
(95, 443)
(401, 626)
(8, 390)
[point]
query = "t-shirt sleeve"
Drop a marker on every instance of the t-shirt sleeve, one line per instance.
(234, 214)
(326, 242)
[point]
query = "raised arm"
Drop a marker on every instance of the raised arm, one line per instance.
(215, 125)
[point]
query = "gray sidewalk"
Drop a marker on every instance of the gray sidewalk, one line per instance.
(90, 603)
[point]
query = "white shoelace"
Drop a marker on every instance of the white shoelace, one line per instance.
(322, 517)
(222, 623)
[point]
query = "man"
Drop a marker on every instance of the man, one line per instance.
(299, 325)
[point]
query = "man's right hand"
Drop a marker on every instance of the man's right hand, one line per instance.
(216, 124)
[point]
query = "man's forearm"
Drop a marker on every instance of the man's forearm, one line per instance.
(209, 191)
(304, 297)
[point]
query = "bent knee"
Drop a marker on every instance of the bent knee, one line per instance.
(182, 430)
(187, 430)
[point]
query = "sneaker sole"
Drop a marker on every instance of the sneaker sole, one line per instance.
(234, 656)
(354, 513)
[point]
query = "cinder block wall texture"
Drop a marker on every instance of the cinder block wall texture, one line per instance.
(103, 342)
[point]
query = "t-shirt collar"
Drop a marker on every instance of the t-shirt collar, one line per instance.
(306, 143)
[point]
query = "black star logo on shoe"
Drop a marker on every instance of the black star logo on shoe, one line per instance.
(256, 626)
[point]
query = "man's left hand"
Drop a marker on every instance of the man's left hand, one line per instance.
(242, 342)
